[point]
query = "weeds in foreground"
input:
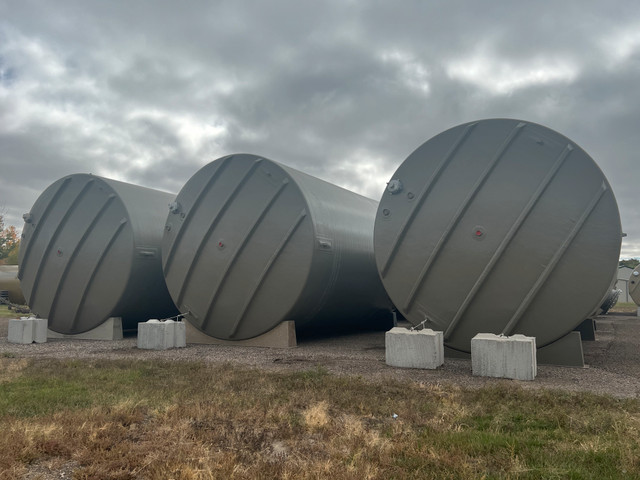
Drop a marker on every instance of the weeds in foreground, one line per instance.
(125, 420)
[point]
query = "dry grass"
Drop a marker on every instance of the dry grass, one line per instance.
(125, 420)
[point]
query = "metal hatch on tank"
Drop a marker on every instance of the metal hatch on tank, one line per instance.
(250, 243)
(91, 250)
(497, 226)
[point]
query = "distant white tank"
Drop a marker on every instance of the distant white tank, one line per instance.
(9, 283)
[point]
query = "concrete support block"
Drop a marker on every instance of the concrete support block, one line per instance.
(282, 335)
(157, 335)
(504, 357)
(27, 330)
(40, 330)
(180, 335)
(111, 329)
(414, 348)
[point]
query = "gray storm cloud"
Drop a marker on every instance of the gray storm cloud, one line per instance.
(149, 92)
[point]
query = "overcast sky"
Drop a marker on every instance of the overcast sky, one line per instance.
(148, 92)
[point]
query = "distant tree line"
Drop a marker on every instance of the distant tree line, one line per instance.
(9, 244)
(630, 262)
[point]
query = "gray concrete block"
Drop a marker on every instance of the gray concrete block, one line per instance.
(180, 336)
(20, 331)
(40, 330)
(414, 348)
(157, 335)
(27, 330)
(504, 357)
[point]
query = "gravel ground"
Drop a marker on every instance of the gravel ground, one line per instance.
(613, 359)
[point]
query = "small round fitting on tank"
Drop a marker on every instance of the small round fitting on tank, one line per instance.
(394, 186)
(174, 207)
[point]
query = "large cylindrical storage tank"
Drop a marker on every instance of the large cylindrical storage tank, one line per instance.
(250, 243)
(9, 282)
(91, 250)
(498, 226)
(634, 285)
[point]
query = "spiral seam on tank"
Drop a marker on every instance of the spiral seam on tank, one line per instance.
(214, 223)
(36, 231)
(460, 213)
(424, 194)
(95, 269)
(553, 262)
(73, 254)
(246, 237)
(190, 213)
(265, 271)
(509, 236)
(54, 237)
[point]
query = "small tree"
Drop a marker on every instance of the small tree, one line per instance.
(12, 258)
(630, 262)
(9, 239)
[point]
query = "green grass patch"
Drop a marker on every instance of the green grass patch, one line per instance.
(6, 313)
(195, 420)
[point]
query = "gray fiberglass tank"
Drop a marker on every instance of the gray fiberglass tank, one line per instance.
(91, 250)
(498, 226)
(250, 243)
(9, 282)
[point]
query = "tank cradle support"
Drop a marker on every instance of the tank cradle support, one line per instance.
(587, 330)
(111, 330)
(564, 352)
(282, 335)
